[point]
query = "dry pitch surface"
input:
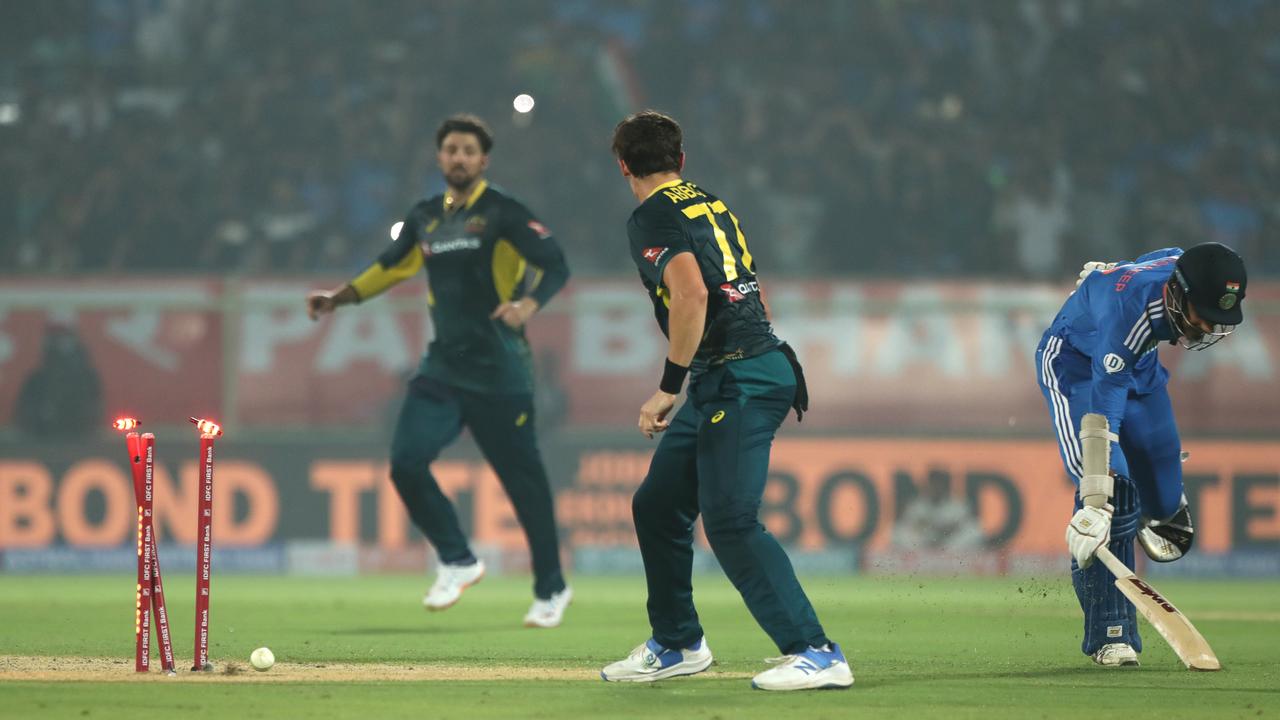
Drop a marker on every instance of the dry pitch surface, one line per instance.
(113, 669)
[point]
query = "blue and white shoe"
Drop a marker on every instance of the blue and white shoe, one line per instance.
(813, 669)
(651, 661)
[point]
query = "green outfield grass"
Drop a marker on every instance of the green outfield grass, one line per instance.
(920, 648)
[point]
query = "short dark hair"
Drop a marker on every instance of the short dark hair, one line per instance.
(649, 142)
(466, 123)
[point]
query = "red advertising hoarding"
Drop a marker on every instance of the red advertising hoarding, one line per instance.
(880, 358)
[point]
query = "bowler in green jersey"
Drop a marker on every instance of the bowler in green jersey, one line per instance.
(713, 456)
(490, 265)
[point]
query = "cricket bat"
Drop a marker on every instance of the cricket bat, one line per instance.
(1173, 626)
(1095, 441)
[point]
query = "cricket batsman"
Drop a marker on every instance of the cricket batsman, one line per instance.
(1100, 356)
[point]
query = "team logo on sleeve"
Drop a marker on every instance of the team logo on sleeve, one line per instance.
(543, 232)
(654, 254)
(1113, 363)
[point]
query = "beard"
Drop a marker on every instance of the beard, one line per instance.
(459, 178)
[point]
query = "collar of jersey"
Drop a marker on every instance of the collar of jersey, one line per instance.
(475, 195)
(664, 186)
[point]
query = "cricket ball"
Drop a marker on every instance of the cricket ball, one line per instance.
(262, 659)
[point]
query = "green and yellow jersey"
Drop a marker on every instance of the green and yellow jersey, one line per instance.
(681, 217)
(488, 251)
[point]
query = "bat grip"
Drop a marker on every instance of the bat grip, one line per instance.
(1113, 563)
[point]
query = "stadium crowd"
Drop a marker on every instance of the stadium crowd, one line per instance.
(904, 139)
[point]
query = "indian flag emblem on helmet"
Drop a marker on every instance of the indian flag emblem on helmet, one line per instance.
(1228, 300)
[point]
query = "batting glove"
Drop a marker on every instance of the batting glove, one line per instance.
(1089, 530)
(1091, 267)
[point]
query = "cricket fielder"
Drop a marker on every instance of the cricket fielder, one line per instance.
(491, 265)
(713, 458)
(1100, 356)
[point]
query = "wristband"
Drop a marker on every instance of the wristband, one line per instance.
(672, 378)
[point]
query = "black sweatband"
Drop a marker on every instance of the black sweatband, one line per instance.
(672, 378)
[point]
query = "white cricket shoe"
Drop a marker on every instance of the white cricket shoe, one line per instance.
(1116, 655)
(548, 613)
(651, 661)
(451, 580)
(813, 669)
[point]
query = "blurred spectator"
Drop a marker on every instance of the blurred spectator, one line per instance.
(937, 520)
(1097, 212)
(1035, 212)
(876, 138)
(62, 397)
(284, 227)
(550, 398)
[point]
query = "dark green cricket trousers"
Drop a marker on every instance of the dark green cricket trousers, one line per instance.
(503, 426)
(713, 460)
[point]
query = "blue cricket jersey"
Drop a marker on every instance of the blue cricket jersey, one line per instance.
(1114, 321)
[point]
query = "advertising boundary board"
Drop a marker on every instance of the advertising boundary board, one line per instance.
(842, 502)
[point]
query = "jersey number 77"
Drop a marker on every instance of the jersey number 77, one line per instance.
(731, 260)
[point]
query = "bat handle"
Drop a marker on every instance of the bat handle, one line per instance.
(1113, 563)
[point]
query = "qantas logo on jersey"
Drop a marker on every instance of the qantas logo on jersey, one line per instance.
(654, 254)
(448, 246)
(739, 292)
